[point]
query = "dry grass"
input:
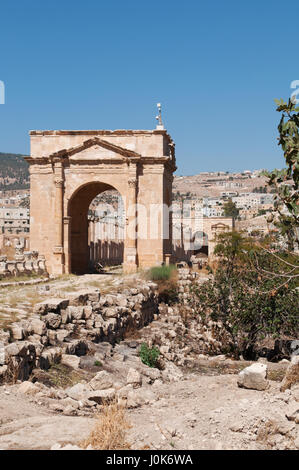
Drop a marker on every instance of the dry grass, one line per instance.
(266, 431)
(110, 430)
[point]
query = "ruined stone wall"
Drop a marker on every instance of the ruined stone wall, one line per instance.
(29, 262)
(66, 326)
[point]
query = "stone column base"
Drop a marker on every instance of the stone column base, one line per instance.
(58, 266)
(129, 268)
(130, 260)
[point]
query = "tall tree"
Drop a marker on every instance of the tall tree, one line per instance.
(286, 181)
(230, 209)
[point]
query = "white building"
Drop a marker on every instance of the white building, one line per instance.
(14, 219)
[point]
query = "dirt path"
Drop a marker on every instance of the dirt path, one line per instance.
(205, 412)
(199, 412)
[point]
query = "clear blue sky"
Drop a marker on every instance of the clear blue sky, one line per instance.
(215, 67)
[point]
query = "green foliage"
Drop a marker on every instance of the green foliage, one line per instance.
(97, 363)
(14, 171)
(245, 296)
(149, 356)
(25, 203)
(261, 212)
(286, 181)
(230, 209)
(161, 273)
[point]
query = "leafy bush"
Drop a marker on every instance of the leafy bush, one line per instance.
(149, 356)
(161, 273)
(246, 296)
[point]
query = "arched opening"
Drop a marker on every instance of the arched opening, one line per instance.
(200, 244)
(96, 228)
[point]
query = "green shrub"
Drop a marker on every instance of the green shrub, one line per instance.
(247, 296)
(149, 356)
(161, 273)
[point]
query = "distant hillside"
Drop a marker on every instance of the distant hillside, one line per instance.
(14, 172)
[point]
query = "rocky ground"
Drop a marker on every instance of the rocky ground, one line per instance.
(193, 401)
(170, 409)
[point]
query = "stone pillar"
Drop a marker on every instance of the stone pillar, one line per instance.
(58, 251)
(67, 245)
(130, 246)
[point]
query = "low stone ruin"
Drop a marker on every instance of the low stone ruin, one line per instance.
(67, 326)
(25, 263)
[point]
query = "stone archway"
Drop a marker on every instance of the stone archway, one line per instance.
(68, 168)
(200, 243)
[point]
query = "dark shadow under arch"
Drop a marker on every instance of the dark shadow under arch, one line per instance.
(200, 243)
(78, 207)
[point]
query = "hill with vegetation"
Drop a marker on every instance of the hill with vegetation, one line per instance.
(14, 173)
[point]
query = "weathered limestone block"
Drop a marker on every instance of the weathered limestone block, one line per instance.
(70, 361)
(61, 335)
(12, 268)
(28, 388)
(52, 320)
(52, 337)
(121, 300)
(110, 300)
(101, 396)
(51, 305)
(79, 347)
(88, 311)
(292, 374)
(38, 327)
(50, 356)
(17, 331)
(254, 377)
(110, 312)
(76, 312)
(66, 316)
(140, 397)
(94, 296)
(134, 378)
(78, 298)
(90, 324)
(78, 391)
(101, 381)
(13, 349)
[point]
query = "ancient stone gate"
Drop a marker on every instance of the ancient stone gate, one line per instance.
(69, 168)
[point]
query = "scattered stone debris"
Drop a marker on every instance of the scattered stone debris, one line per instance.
(77, 354)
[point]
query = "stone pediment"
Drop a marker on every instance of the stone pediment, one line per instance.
(219, 226)
(96, 149)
